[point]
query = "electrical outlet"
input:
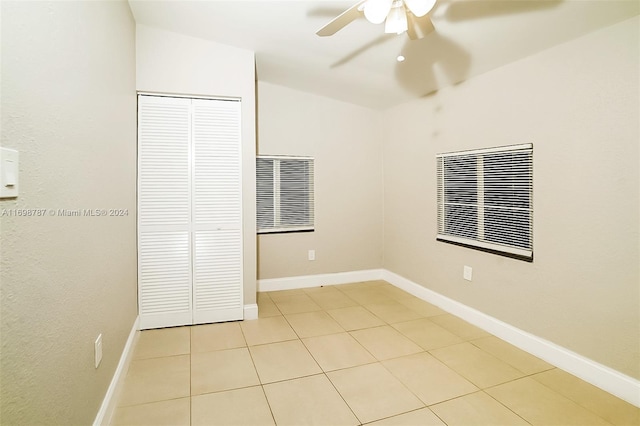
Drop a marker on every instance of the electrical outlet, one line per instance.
(312, 255)
(98, 349)
(467, 273)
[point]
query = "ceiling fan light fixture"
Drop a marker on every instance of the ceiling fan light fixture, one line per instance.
(401, 16)
(420, 7)
(397, 20)
(377, 10)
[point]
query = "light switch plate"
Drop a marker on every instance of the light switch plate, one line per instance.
(98, 349)
(9, 167)
(467, 273)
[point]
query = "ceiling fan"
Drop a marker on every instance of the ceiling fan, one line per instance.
(400, 16)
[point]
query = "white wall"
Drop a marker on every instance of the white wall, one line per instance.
(578, 103)
(69, 107)
(171, 63)
(346, 143)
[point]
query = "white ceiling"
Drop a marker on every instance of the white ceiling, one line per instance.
(358, 64)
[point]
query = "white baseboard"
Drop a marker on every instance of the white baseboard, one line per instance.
(251, 311)
(307, 281)
(606, 378)
(108, 403)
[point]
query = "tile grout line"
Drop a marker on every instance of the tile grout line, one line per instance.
(504, 405)
(480, 389)
(264, 393)
(377, 361)
(322, 369)
(530, 376)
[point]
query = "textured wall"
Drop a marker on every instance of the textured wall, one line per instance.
(69, 107)
(578, 103)
(346, 142)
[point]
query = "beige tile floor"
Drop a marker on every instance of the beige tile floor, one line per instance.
(361, 353)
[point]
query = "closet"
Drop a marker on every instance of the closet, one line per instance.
(189, 211)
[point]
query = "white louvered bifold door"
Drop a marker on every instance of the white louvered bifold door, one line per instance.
(164, 213)
(189, 211)
(217, 211)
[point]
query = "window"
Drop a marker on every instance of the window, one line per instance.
(284, 194)
(485, 199)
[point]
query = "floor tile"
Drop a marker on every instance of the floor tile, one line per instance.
(239, 407)
(213, 337)
(476, 409)
(540, 405)
(394, 293)
(222, 370)
(308, 401)
(173, 412)
(429, 379)
(355, 318)
(373, 393)
(162, 342)
(323, 289)
(267, 330)
(479, 367)
(385, 342)
(257, 372)
(277, 296)
(282, 361)
(332, 300)
(337, 351)
(513, 356)
(392, 312)
(459, 327)
(425, 309)
(427, 334)
(263, 296)
(367, 295)
(297, 304)
(603, 404)
(156, 379)
(267, 308)
(311, 324)
(421, 417)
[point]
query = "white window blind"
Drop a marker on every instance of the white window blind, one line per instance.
(285, 199)
(485, 199)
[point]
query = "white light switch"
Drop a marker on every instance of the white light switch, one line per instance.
(312, 255)
(8, 173)
(467, 273)
(98, 349)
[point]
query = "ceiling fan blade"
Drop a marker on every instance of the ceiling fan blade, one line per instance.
(341, 20)
(420, 7)
(418, 28)
(376, 11)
